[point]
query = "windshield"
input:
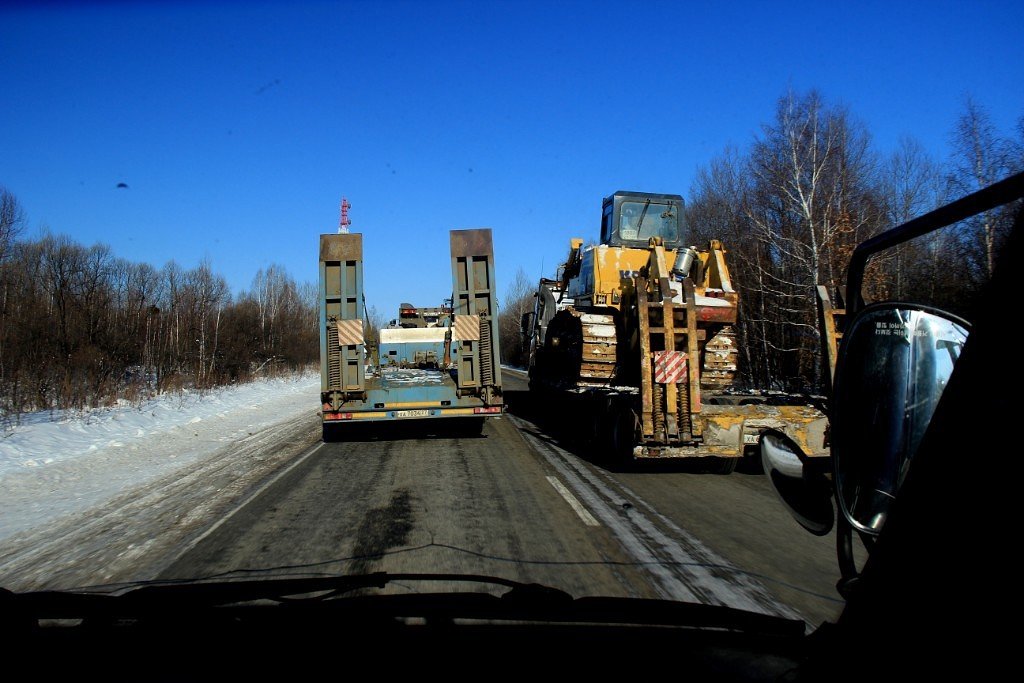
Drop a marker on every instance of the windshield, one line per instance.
(194, 383)
(639, 221)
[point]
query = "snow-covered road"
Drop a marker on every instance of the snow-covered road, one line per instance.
(99, 489)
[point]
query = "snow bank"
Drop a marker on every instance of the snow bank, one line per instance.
(52, 465)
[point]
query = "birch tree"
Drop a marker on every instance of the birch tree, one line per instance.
(811, 201)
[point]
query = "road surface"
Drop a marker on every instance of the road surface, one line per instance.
(521, 501)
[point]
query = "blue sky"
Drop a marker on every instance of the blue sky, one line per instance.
(239, 126)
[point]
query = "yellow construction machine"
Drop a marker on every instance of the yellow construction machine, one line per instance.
(638, 330)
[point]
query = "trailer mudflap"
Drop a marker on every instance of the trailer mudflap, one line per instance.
(729, 429)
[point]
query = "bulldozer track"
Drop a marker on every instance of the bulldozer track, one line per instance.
(598, 354)
(718, 371)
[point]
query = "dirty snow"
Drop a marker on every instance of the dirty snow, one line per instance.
(53, 465)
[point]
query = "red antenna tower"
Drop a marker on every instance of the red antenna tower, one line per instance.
(345, 221)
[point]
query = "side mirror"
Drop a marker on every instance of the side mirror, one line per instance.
(894, 364)
(526, 324)
(803, 489)
(889, 373)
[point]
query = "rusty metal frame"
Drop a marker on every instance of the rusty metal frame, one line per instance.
(646, 376)
(693, 366)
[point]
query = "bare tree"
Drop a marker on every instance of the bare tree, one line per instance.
(912, 184)
(790, 212)
(980, 158)
(208, 293)
(375, 320)
(810, 202)
(12, 221)
(79, 326)
(270, 288)
(518, 302)
(718, 210)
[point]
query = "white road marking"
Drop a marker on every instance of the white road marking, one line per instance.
(584, 514)
(666, 583)
(683, 568)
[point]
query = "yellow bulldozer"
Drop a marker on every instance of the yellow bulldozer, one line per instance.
(639, 329)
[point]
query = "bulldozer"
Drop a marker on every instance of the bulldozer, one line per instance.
(640, 327)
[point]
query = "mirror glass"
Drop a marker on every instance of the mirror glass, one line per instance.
(894, 362)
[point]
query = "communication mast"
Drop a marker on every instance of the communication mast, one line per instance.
(345, 221)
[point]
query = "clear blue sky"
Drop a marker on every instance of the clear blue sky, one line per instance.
(238, 126)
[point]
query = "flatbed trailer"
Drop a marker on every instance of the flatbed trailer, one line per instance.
(730, 426)
(465, 381)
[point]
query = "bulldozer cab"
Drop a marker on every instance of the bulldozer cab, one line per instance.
(631, 219)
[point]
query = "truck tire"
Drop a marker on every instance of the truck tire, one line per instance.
(621, 434)
(723, 465)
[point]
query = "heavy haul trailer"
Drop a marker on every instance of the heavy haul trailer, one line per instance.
(635, 334)
(411, 316)
(465, 380)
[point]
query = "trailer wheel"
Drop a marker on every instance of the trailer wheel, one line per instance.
(724, 465)
(622, 434)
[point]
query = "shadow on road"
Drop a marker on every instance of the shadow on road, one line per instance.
(393, 430)
(557, 422)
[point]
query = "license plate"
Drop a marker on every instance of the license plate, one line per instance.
(412, 413)
(751, 439)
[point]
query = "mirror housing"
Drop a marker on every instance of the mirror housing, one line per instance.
(894, 364)
(855, 467)
(805, 492)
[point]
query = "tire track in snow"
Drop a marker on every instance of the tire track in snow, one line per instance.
(133, 536)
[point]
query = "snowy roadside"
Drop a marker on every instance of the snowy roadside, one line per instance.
(105, 466)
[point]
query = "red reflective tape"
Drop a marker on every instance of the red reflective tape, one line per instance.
(672, 368)
(669, 363)
(677, 374)
(669, 367)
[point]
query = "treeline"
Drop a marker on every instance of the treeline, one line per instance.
(519, 299)
(80, 327)
(792, 206)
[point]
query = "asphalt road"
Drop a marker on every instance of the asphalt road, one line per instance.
(522, 501)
